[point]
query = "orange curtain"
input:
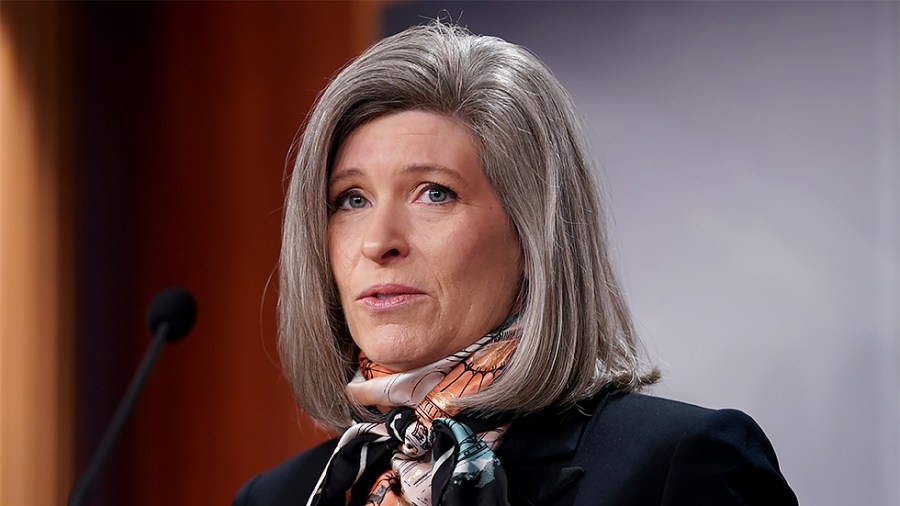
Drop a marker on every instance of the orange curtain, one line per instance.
(144, 145)
(35, 255)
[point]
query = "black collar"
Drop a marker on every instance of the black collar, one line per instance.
(537, 454)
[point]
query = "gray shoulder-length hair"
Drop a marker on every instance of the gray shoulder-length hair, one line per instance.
(577, 335)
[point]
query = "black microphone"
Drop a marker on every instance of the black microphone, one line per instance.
(170, 317)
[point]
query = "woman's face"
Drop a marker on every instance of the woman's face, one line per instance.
(424, 257)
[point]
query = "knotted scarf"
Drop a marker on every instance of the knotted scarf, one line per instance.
(425, 451)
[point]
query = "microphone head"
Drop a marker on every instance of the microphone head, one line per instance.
(176, 307)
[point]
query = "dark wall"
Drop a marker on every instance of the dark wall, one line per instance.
(185, 115)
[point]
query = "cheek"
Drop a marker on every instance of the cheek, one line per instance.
(339, 260)
(498, 241)
(483, 253)
(505, 262)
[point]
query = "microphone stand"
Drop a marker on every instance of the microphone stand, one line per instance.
(82, 488)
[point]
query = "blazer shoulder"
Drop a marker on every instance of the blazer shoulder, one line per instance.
(650, 450)
(637, 424)
(726, 458)
(290, 482)
(655, 409)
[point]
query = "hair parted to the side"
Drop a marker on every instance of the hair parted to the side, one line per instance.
(577, 335)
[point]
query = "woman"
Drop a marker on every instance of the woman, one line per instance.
(448, 304)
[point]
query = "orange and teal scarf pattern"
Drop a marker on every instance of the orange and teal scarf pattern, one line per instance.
(419, 455)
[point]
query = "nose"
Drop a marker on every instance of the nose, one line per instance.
(385, 235)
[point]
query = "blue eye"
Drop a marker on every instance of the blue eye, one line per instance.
(437, 194)
(351, 201)
(356, 202)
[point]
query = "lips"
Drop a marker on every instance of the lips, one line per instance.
(385, 297)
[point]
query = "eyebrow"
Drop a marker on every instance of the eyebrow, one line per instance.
(415, 168)
(337, 177)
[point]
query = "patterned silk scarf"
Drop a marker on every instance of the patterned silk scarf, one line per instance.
(419, 455)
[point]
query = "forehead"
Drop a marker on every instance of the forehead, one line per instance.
(410, 140)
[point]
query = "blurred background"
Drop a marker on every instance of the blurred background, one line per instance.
(750, 152)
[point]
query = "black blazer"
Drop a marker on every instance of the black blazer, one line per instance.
(616, 449)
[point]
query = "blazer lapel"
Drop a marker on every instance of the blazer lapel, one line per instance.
(537, 454)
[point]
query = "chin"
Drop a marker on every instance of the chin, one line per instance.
(395, 349)
(398, 362)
